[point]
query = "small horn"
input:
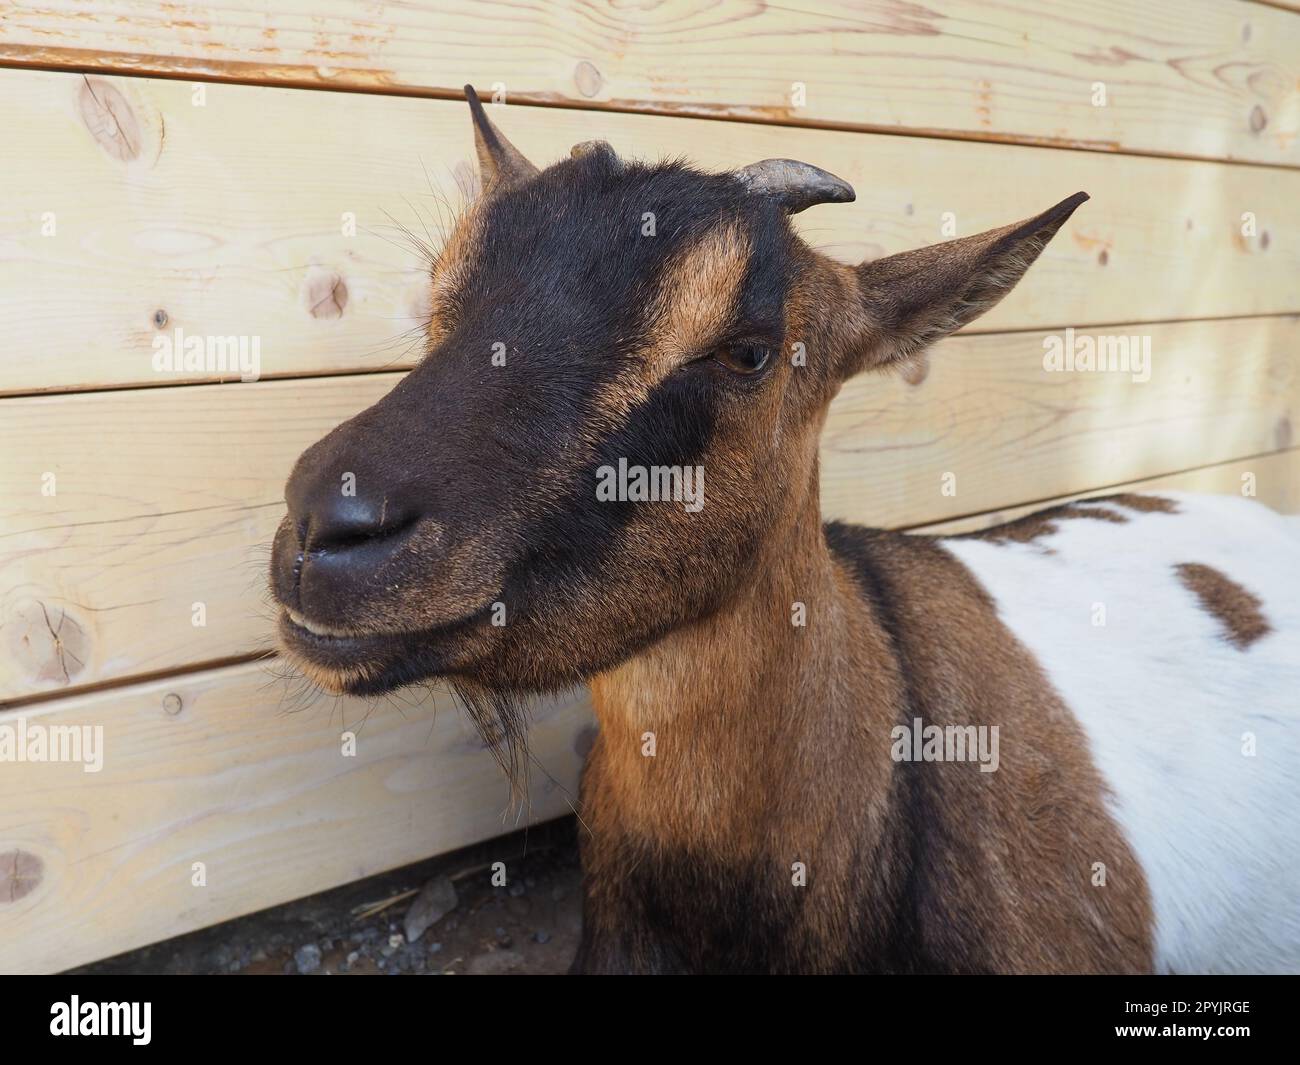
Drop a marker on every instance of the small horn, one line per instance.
(795, 185)
(595, 148)
(500, 162)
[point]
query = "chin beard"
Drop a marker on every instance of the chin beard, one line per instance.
(501, 717)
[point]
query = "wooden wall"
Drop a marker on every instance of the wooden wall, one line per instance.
(184, 166)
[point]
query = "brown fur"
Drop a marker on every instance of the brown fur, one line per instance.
(754, 718)
(1047, 521)
(1239, 611)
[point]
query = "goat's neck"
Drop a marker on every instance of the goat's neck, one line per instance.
(748, 702)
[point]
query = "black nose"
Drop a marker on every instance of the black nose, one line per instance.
(347, 517)
(338, 522)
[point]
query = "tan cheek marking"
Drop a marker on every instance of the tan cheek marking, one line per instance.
(1237, 609)
(694, 305)
(697, 297)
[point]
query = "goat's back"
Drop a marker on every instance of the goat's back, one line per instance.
(1170, 626)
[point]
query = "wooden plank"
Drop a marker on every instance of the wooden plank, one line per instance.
(989, 426)
(179, 510)
(1273, 479)
(227, 220)
(262, 796)
(1213, 78)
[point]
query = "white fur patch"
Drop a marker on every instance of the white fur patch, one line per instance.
(1168, 705)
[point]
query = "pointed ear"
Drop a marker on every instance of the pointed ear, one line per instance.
(500, 163)
(915, 298)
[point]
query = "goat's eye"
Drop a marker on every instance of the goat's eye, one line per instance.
(743, 358)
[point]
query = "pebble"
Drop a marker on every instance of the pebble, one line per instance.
(307, 958)
(436, 899)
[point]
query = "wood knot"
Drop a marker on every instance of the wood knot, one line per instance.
(20, 874)
(1258, 120)
(110, 118)
(324, 293)
(50, 645)
(587, 78)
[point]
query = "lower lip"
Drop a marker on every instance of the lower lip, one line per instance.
(361, 642)
(304, 635)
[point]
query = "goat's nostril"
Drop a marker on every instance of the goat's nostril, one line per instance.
(346, 522)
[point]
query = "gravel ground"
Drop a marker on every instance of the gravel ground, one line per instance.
(374, 926)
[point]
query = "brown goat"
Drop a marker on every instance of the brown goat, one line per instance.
(798, 764)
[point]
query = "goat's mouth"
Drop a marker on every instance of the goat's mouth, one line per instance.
(354, 663)
(323, 632)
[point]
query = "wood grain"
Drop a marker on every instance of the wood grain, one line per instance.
(227, 220)
(166, 499)
(1007, 430)
(1210, 78)
(255, 785)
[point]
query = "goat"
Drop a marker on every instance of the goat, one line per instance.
(821, 748)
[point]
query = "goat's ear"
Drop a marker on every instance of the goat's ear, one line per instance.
(912, 299)
(500, 163)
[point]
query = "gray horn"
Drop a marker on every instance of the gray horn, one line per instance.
(795, 185)
(592, 148)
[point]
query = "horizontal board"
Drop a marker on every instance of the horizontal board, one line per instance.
(218, 768)
(989, 426)
(1273, 479)
(129, 213)
(1215, 78)
(102, 577)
